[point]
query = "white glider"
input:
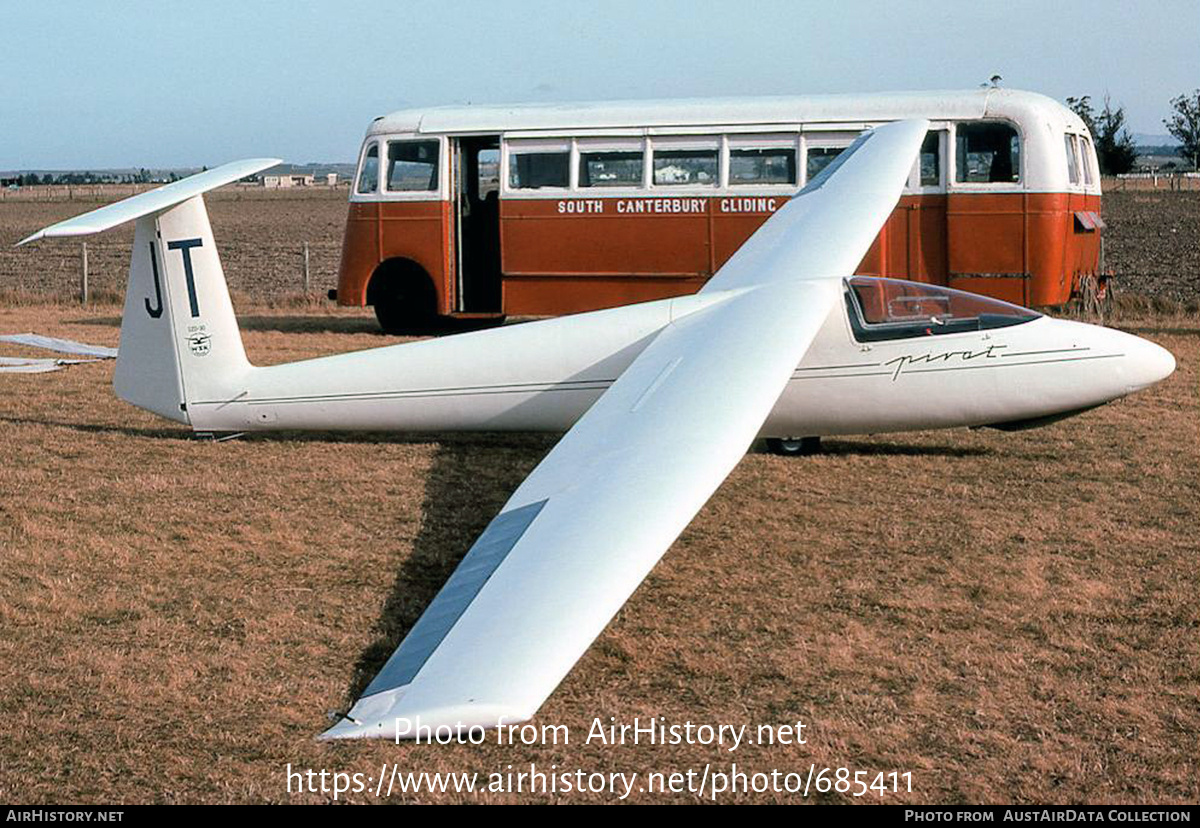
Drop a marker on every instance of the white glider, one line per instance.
(659, 401)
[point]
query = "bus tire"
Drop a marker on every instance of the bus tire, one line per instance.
(403, 296)
(791, 447)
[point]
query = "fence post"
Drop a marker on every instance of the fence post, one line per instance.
(83, 276)
(306, 279)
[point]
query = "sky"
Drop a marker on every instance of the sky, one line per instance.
(127, 83)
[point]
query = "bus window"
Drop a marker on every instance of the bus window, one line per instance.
(610, 168)
(987, 152)
(534, 170)
(489, 171)
(368, 176)
(931, 164)
(412, 166)
(1072, 159)
(818, 159)
(767, 165)
(694, 165)
(1085, 152)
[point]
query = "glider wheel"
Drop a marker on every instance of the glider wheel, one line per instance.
(789, 447)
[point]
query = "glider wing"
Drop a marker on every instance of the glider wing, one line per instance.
(589, 523)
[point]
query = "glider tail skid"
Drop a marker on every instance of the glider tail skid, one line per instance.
(179, 336)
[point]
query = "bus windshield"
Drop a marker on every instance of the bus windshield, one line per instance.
(894, 309)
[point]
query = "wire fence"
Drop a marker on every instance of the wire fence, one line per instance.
(97, 270)
(1150, 181)
(275, 243)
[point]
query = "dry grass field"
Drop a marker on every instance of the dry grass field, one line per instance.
(1152, 244)
(1009, 617)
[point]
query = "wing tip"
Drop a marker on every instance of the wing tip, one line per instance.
(384, 717)
(916, 126)
(348, 728)
(55, 232)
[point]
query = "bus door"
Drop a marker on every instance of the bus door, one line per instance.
(475, 165)
(912, 243)
(919, 251)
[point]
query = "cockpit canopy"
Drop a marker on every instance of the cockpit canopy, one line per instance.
(894, 309)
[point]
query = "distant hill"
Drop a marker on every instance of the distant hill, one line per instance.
(1156, 140)
(1171, 150)
(315, 168)
(1158, 151)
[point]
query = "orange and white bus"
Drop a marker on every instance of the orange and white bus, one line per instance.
(552, 209)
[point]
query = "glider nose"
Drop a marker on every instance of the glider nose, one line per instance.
(1117, 363)
(1148, 363)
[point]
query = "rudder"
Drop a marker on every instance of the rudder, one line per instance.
(148, 372)
(179, 336)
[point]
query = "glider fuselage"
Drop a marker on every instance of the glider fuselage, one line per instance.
(542, 376)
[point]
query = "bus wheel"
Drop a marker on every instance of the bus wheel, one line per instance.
(790, 447)
(403, 297)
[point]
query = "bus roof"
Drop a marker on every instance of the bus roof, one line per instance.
(968, 104)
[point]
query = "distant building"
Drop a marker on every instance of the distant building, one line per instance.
(284, 180)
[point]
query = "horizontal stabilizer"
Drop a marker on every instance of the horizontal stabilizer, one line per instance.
(153, 201)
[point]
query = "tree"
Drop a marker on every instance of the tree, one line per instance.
(1184, 125)
(1083, 108)
(1115, 148)
(1114, 144)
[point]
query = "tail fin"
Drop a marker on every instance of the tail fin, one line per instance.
(179, 338)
